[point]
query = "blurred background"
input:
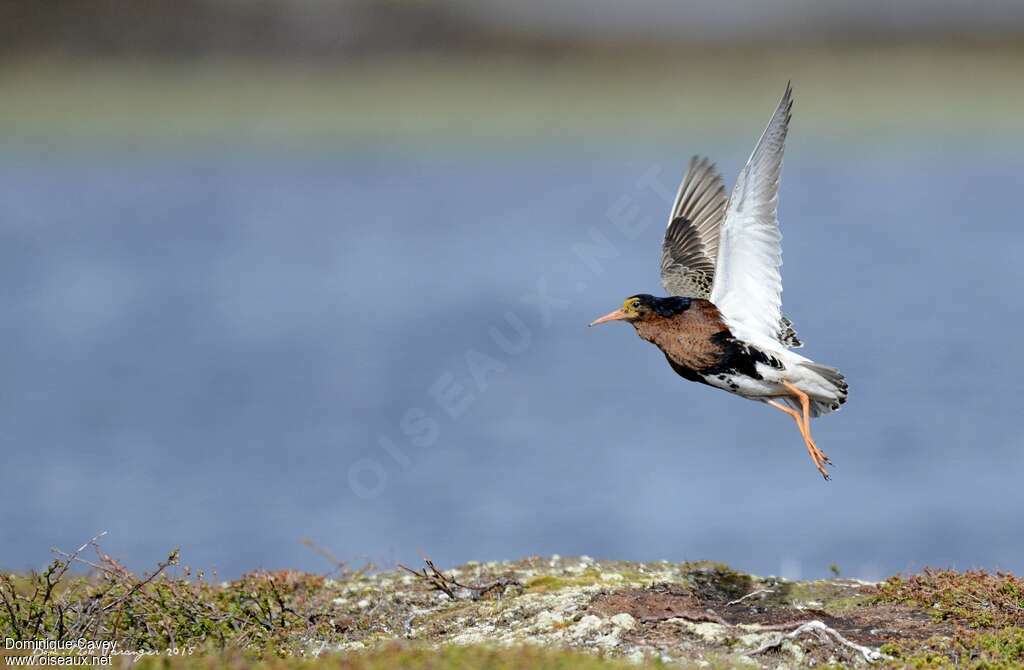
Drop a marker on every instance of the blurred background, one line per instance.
(275, 270)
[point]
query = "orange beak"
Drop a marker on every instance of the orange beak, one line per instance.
(613, 316)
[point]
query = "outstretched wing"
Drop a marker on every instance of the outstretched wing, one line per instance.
(691, 239)
(748, 283)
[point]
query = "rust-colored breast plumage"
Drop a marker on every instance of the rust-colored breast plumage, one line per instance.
(687, 338)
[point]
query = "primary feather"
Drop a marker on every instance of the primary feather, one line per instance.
(748, 282)
(690, 247)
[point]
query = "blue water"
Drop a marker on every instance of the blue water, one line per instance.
(229, 351)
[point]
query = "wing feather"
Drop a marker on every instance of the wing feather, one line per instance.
(691, 240)
(748, 281)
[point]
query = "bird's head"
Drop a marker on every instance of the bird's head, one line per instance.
(643, 306)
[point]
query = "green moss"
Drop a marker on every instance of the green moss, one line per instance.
(835, 598)
(847, 604)
(1006, 645)
(928, 655)
(975, 598)
(546, 583)
(592, 576)
(978, 650)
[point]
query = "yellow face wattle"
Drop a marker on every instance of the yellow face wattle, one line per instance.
(631, 307)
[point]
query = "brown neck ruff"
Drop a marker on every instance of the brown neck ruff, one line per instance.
(687, 338)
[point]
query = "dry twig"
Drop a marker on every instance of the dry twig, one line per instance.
(452, 588)
(749, 595)
(825, 634)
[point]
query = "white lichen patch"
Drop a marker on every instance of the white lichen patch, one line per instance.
(705, 630)
(755, 640)
(586, 626)
(557, 602)
(547, 620)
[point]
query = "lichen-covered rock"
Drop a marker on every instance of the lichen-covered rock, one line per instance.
(547, 620)
(586, 626)
(694, 614)
(624, 621)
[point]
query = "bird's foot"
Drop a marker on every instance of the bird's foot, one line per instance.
(817, 455)
(819, 458)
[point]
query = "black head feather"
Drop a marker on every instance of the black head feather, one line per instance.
(665, 307)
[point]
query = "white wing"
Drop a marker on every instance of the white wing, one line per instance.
(748, 284)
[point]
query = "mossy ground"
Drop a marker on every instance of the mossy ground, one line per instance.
(545, 613)
(987, 611)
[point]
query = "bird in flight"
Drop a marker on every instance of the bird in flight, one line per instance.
(723, 324)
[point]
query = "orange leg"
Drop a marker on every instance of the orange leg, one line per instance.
(817, 455)
(805, 403)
